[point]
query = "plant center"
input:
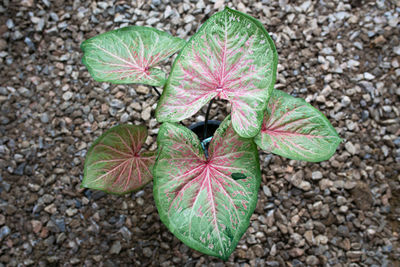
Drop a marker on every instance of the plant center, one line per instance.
(221, 93)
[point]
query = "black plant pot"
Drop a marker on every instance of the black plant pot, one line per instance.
(198, 128)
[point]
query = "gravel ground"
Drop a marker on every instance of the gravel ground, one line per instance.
(342, 56)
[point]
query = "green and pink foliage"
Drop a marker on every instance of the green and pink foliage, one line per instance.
(116, 164)
(231, 57)
(206, 202)
(205, 198)
(129, 55)
(294, 129)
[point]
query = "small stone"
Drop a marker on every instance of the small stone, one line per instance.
(116, 103)
(349, 185)
(267, 191)
(189, 18)
(312, 260)
(29, 43)
(296, 252)
(273, 250)
(152, 21)
(25, 92)
(350, 148)
(396, 50)
(309, 236)
(321, 239)
(67, 95)
(60, 224)
(71, 212)
(146, 114)
(116, 248)
(124, 117)
(10, 24)
(298, 240)
(141, 89)
(343, 231)
(340, 200)
(52, 209)
(119, 18)
(325, 184)
(371, 232)
(168, 12)
(273, 263)
(343, 209)
(304, 185)
(44, 118)
(327, 50)
(4, 231)
(147, 252)
(140, 201)
(317, 175)
(368, 76)
(354, 254)
(345, 101)
(36, 226)
(3, 44)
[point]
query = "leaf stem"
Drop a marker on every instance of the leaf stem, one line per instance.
(158, 92)
(206, 119)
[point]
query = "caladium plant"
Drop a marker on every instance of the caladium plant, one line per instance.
(206, 188)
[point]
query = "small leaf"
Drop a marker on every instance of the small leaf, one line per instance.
(115, 163)
(129, 55)
(197, 198)
(231, 57)
(294, 129)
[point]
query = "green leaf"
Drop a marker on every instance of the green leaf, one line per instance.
(294, 129)
(231, 57)
(115, 163)
(206, 203)
(129, 55)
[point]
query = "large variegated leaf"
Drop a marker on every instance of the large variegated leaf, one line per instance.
(206, 203)
(129, 55)
(115, 163)
(231, 57)
(294, 129)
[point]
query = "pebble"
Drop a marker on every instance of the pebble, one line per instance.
(44, 118)
(125, 117)
(10, 24)
(36, 226)
(317, 175)
(4, 231)
(296, 252)
(339, 56)
(67, 95)
(143, 89)
(116, 248)
(346, 101)
(147, 252)
(312, 260)
(368, 76)
(267, 191)
(116, 103)
(350, 148)
(3, 45)
(146, 114)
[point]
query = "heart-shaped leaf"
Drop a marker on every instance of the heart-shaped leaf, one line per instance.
(115, 163)
(129, 55)
(231, 57)
(294, 129)
(206, 203)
